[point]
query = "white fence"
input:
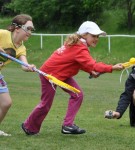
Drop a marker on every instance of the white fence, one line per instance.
(62, 38)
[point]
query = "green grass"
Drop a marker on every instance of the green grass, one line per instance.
(100, 94)
(4, 22)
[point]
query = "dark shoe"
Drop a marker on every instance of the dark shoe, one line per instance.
(27, 131)
(72, 130)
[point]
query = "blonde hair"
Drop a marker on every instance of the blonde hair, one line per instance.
(72, 39)
(18, 21)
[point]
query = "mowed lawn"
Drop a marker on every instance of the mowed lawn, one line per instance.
(99, 95)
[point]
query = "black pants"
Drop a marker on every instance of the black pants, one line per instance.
(132, 114)
(126, 98)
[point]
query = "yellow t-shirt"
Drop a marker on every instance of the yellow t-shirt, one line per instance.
(6, 42)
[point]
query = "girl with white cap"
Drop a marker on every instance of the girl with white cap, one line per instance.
(65, 63)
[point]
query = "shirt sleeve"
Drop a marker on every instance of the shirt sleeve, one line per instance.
(89, 64)
(21, 51)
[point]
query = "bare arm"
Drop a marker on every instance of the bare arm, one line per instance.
(27, 69)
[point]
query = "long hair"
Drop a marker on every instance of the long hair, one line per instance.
(72, 39)
(18, 21)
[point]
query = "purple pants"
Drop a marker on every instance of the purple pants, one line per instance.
(34, 121)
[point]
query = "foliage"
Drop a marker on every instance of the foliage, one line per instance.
(128, 12)
(58, 14)
(4, 10)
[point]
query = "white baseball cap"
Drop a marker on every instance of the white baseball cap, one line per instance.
(90, 27)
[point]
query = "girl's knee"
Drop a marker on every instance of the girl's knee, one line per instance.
(7, 104)
(81, 95)
(78, 96)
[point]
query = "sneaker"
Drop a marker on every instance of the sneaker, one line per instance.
(72, 130)
(4, 134)
(27, 131)
(109, 114)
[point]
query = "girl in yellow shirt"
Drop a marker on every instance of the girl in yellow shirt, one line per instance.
(18, 32)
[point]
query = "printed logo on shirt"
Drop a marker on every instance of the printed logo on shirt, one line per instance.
(61, 49)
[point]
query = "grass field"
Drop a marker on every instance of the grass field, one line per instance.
(100, 94)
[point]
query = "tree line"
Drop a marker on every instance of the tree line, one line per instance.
(57, 15)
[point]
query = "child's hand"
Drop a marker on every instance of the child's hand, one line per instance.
(1, 64)
(2, 50)
(94, 74)
(110, 114)
(118, 67)
(31, 67)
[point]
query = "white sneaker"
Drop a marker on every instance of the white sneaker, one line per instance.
(4, 134)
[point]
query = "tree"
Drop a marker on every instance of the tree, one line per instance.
(3, 9)
(130, 12)
(129, 6)
(55, 14)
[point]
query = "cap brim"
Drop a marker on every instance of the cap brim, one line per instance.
(99, 32)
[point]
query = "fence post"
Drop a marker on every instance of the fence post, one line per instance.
(109, 44)
(61, 39)
(41, 41)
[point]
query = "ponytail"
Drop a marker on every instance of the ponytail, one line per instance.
(72, 39)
